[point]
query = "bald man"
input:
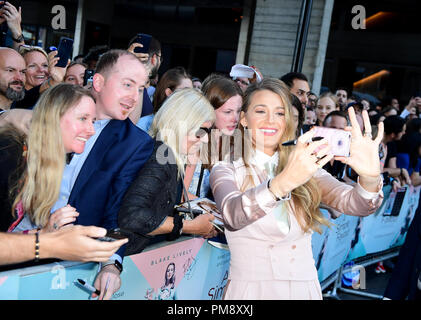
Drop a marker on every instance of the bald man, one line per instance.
(12, 77)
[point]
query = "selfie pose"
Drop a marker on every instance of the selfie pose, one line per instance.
(270, 197)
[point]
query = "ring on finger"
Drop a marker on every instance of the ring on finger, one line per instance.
(318, 158)
(368, 134)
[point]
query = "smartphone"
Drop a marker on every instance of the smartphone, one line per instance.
(88, 77)
(65, 49)
(113, 235)
(339, 140)
(145, 40)
(400, 195)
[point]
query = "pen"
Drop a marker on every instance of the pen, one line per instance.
(294, 142)
(89, 287)
(185, 210)
(217, 227)
(106, 287)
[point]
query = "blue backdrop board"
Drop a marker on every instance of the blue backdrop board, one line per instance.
(336, 245)
(379, 230)
(362, 236)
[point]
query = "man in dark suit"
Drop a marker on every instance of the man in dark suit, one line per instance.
(95, 181)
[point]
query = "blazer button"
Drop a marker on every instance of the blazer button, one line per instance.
(168, 202)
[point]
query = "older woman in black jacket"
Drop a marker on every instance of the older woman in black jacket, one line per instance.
(179, 128)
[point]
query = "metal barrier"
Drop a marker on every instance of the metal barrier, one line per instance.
(201, 269)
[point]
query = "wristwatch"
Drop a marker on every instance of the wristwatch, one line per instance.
(19, 39)
(116, 263)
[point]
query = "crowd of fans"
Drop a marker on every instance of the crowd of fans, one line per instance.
(94, 167)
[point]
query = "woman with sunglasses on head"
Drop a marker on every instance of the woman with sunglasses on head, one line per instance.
(270, 197)
(179, 128)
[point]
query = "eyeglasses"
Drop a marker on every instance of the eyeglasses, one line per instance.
(160, 57)
(243, 82)
(203, 131)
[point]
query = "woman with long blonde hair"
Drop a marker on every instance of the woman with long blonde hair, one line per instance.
(270, 197)
(61, 124)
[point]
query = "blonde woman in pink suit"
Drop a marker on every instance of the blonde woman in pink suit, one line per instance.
(270, 196)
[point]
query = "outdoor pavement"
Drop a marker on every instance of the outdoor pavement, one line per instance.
(375, 283)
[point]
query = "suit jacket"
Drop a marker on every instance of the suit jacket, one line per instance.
(117, 155)
(150, 198)
(259, 249)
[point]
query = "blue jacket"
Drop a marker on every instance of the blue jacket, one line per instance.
(119, 153)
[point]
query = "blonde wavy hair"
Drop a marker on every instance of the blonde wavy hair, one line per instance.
(305, 198)
(39, 187)
(183, 112)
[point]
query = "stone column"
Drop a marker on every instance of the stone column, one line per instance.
(272, 41)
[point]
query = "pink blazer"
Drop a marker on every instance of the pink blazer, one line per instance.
(259, 250)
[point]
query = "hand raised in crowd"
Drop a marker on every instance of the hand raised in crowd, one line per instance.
(13, 17)
(303, 162)
(62, 217)
(143, 57)
(411, 104)
(201, 226)
(364, 151)
(77, 243)
(56, 73)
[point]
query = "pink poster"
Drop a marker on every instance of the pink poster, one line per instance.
(165, 268)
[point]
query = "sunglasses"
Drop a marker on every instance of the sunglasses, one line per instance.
(202, 132)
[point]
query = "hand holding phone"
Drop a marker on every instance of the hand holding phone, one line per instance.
(65, 48)
(339, 140)
(144, 40)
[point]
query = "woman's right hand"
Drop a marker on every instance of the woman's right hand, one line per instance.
(201, 226)
(303, 162)
(60, 218)
(78, 243)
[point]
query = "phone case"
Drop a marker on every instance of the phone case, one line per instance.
(339, 140)
(65, 48)
(145, 40)
(88, 76)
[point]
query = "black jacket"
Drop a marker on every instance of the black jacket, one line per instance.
(150, 198)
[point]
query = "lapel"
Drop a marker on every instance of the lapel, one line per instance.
(104, 142)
